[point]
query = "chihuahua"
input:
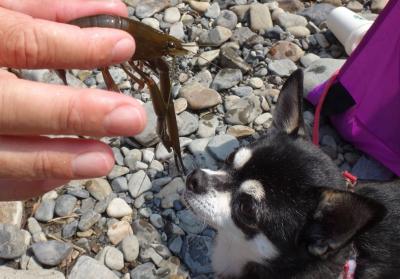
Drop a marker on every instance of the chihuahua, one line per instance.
(282, 209)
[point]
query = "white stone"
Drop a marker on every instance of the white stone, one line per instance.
(118, 231)
(172, 15)
(118, 208)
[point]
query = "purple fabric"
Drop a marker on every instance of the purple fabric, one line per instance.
(372, 76)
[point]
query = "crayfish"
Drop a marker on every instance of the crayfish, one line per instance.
(151, 46)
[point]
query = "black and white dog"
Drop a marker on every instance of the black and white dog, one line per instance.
(282, 210)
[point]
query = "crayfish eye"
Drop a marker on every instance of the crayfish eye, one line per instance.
(171, 45)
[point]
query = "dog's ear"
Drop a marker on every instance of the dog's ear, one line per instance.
(288, 114)
(337, 219)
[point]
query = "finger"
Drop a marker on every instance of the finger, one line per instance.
(31, 108)
(36, 43)
(38, 158)
(13, 190)
(63, 11)
(6, 75)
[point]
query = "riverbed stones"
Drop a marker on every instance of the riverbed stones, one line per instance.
(243, 110)
(118, 208)
(11, 213)
(260, 17)
(88, 268)
(52, 252)
(200, 97)
(12, 242)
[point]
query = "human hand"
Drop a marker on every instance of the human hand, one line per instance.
(31, 164)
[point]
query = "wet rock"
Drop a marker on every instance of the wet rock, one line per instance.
(180, 105)
(256, 82)
(320, 71)
(176, 30)
(147, 8)
(99, 188)
(299, 31)
(65, 205)
(202, 158)
(292, 6)
(188, 123)
(172, 15)
(156, 220)
(114, 259)
(52, 252)
(88, 219)
(144, 271)
(285, 49)
(149, 137)
(45, 211)
(139, 183)
(118, 208)
(8, 273)
(355, 6)
(230, 59)
(200, 97)
(317, 13)
(130, 248)
(193, 247)
(118, 231)
(11, 213)
(88, 268)
(145, 232)
(207, 57)
(199, 6)
(242, 35)
(216, 36)
(244, 110)
(240, 131)
(12, 242)
(227, 19)
(119, 184)
(207, 126)
(308, 59)
(221, 146)
(260, 17)
(283, 67)
(69, 229)
(287, 20)
(227, 78)
(378, 5)
(213, 11)
(189, 222)
(117, 171)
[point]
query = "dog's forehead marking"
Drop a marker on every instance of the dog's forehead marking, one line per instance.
(253, 188)
(242, 156)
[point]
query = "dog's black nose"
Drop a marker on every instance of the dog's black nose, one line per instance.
(196, 181)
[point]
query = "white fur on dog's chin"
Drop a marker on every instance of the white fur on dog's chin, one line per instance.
(242, 156)
(232, 250)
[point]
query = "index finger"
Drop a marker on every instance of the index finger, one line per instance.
(64, 11)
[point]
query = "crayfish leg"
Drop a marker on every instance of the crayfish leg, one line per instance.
(132, 76)
(109, 80)
(163, 107)
(161, 67)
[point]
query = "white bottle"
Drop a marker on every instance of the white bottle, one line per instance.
(348, 27)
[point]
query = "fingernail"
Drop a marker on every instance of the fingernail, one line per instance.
(123, 50)
(124, 121)
(89, 164)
